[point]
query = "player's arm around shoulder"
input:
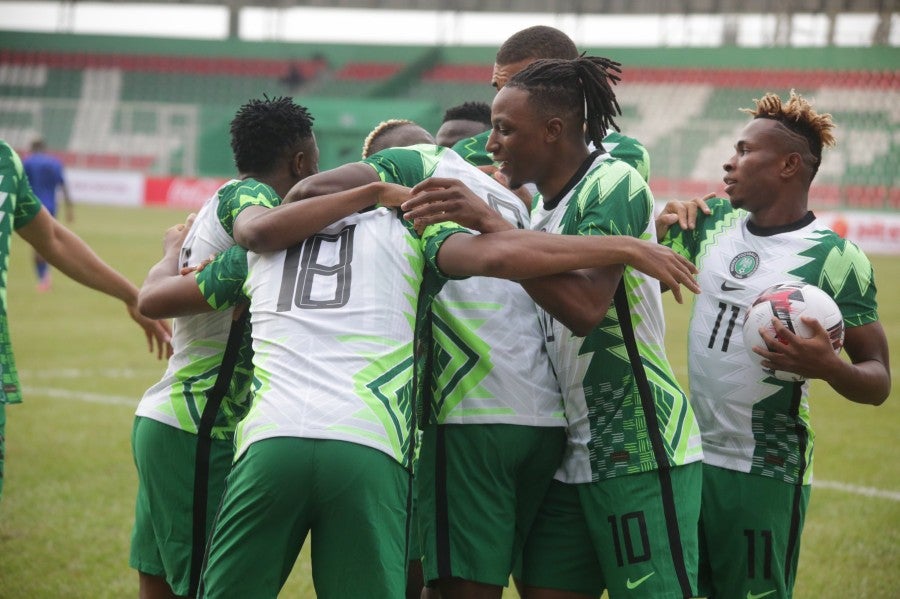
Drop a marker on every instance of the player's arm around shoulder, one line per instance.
(684, 214)
(168, 292)
(310, 206)
(565, 273)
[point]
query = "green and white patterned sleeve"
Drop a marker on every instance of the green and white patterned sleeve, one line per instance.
(236, 198)
(222, 281)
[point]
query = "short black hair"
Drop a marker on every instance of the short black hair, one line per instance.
(540, 41)
(263, 131)
(479, 112)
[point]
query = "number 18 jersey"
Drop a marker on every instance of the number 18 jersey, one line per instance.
(335, 323)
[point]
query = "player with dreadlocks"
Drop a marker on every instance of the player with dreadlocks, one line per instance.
(184, 427)
(622, 511)
(757, 438)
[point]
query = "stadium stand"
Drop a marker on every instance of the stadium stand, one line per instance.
(132, 103)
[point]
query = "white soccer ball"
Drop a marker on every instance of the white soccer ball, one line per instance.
(788, 302)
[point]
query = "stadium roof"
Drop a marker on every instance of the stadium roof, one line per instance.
(826, 22)
(571, 6)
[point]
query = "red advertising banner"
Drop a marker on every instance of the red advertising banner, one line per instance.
(180, 192)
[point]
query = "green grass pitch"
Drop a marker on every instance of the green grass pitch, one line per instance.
(67, 506)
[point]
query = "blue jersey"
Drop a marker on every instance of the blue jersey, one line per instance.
(45, 174)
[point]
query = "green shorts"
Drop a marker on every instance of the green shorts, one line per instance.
(479, 487)
(162, 537)
(634, 535)
(744, 515)
(351, 498)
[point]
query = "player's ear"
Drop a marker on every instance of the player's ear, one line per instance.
(791, 165)
(553, 129)
(297, 164)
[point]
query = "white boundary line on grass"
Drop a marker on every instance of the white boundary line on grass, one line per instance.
(115, 400)
(132, 402)
(856, 489)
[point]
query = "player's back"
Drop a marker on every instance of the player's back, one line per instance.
(334, 322)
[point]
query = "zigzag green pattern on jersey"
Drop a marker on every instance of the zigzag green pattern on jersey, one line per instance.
(633, 280)
(431, 156)
(808, 455)
(843, 260)
(613, 180)
(416, 260)
(261, 386)
(406, 166)
(617, 412)
(669, 393)
(188, 403)
(249, 193)
(237, 400)
(473, 149)
(385, 386)
(461, 358)
(215, 302)
(710, 238)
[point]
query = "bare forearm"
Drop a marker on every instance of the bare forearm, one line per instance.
(516, 254)
(867, 382)
(571, 299)
(158, 297)
(573, 278)
(289, 224)
(332, 181)
(73, 257)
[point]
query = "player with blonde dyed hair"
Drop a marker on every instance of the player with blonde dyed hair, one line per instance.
(756, 432)
(391, 133)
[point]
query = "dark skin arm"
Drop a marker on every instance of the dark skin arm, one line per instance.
(166, 292)
(865, 379)
(579, 299)
(270, 229)
(683, 213)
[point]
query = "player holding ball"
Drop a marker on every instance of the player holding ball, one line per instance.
(757, 437)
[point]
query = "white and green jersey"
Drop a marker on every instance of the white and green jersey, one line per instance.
(198, 342)
(335, 323)
(751, 422)
(626, 411)
(18, 207)
(489, 364)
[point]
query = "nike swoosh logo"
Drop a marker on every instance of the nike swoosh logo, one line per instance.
(727, 287)
(633, 585)
(750, 595)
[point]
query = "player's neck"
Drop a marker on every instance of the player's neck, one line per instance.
(567, 170)
(779, 214)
